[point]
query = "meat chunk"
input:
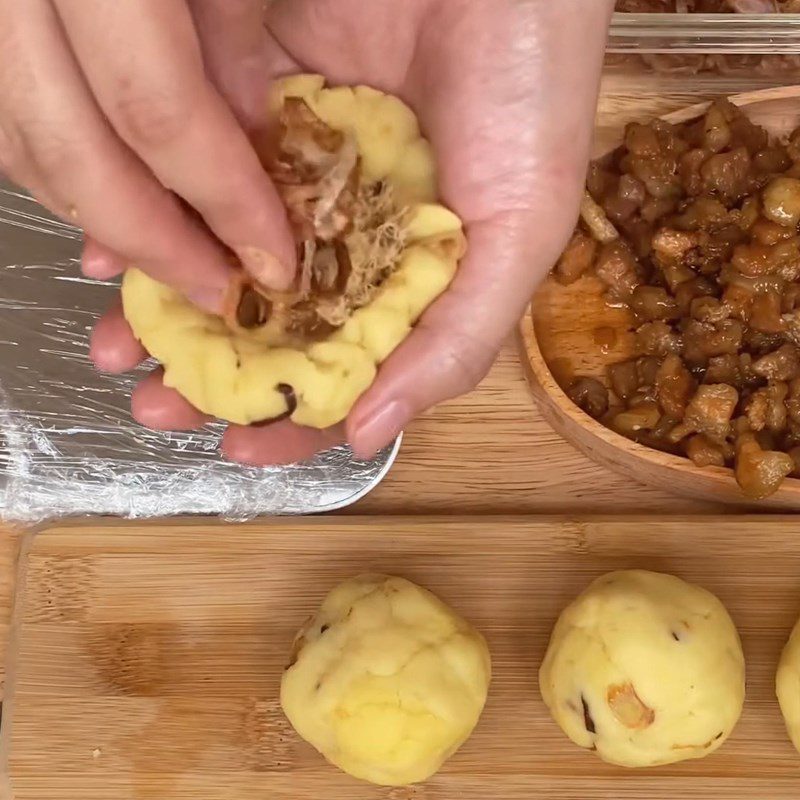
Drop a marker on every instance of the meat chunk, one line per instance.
(709, 412)
(618, 269)
(782, 364)
(736, 370)
(624, 379)
(577, 259)
(703, 452)
(674, 386)
(792, 402)
(703, 341)
(673, 245)
(657, 339)
(651, 303)
(766, 409)
(590, 396)
(759, 472)
(726, 174)
(765, 313)
(781, 199)
(643, 416)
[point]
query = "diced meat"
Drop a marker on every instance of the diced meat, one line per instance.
(687, 291)
(642, 140)
(653, 303)
(624, 379)
(736, 370)
(673, 245)
(703, 452)
(643, 416)
(703, 341)
(759, 472)
(781, 199)
(791, 326)
(770, 233)
(647, 368)
(781, 365)
(710, 309)
(703, 213)
(695, 229)
(590, 395)
(726, 174)
(657, 339)
(753, 260)
(772, 160)
(674, 386)
(765, 313)
(709, 412)
(717, 132)
(577, 259)
(765, 408)
(617, 268)
(792, 402)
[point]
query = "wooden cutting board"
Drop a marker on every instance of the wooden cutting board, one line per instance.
(146, 660)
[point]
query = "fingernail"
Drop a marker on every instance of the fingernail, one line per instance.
(208, 299)
(264, 267)
(380, 428)
(99, 263)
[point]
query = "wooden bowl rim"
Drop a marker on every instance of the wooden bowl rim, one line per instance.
(544, 377)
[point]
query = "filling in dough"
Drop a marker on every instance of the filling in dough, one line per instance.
(374, 250)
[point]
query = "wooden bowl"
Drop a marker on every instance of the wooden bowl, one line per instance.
(571, 330)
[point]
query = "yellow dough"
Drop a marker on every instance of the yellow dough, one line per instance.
(645, 669)
(243, 376)
(787, 686)
(387, 682)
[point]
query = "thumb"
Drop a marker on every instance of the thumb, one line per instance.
(456, 341)
(239, 56)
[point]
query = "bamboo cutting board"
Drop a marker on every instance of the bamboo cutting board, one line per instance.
(146, 659)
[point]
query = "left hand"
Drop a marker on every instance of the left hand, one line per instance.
(505, 90)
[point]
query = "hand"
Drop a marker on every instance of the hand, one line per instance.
(506, 91)
(105, 106)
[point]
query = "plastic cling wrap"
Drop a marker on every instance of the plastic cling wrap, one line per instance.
(68, 445)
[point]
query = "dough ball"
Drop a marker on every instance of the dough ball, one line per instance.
(386, 681)
(645, 669)
(374, 251)
(787, 685)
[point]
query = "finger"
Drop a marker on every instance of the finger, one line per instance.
(277, 443)
(113, 347)
(97, 261)
(160, 408)
(233, 40)
(157, 97)
(59, 144)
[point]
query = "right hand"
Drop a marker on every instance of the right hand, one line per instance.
(133, 119)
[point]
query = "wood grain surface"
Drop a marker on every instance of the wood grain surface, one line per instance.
(150, 655)
(9, 546)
